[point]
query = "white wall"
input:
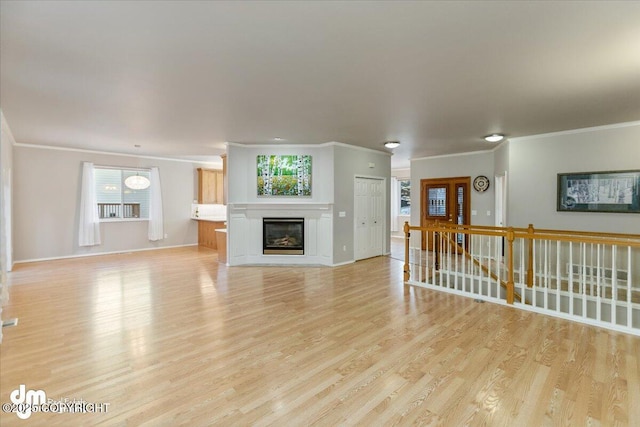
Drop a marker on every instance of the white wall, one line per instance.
(334, 167)
(6, 195)
(46, 198)
(501, 159)
(243, 178)
(245, 209)
(535, 161)
(350, 162)
(532, 164)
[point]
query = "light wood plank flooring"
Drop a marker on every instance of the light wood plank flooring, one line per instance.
(170, 337)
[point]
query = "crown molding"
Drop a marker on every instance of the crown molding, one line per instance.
(577, 131)
(468, 153)
(323, 144)
(7, 129)
(355, 147)
(110, 153)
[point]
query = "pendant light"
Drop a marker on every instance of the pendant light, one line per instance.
(137, 182)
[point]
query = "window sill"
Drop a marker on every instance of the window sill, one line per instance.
(123, 219)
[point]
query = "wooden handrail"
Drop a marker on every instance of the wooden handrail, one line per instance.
(510, 234)
(632, 240)
(537, 231)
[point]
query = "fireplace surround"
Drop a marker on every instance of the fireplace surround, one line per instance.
(283, 236)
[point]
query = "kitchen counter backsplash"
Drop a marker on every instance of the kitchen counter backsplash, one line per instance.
(217, 211)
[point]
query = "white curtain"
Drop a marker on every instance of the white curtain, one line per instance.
(395, 203)
(156, 230)
(89, 231)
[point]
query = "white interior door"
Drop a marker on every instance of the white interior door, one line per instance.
(376, 216)
(369, 216)
(362, 218)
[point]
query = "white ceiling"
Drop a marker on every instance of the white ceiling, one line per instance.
(181, 78)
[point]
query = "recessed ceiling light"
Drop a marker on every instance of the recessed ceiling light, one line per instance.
(391, 144)
(494, 137)
(277, 138)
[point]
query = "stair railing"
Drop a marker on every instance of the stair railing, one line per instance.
(586, 276)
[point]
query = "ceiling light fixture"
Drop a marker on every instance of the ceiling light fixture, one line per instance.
(277, 138)
(137, 182)
(391, 144)
(494, 137)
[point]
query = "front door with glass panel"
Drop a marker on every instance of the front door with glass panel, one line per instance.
(445, 200)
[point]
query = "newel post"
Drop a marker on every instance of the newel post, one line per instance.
(510, 285)
(530, 232)
(407, 272)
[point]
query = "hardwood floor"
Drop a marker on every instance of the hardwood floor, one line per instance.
(170, 337)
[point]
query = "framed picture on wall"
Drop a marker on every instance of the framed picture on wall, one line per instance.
(613, 191)
(284, 175)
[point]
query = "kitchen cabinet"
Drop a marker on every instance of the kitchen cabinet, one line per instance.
(210, 186)
(207, 233)
(221, 235)
(225, 185)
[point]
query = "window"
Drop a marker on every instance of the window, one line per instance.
(405, 196)
(115, 199)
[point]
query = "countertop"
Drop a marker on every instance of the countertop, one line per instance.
(211, 218)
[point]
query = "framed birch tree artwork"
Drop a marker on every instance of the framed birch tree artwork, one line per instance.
(284, 175)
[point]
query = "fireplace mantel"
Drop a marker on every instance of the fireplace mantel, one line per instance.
(245, 228)
(289, 205)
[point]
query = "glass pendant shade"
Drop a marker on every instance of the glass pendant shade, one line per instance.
(137, 182)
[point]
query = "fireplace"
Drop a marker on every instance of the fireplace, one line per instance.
(283, 236)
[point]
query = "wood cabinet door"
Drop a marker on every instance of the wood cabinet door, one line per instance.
(219, 196)
(210, 186)
(207, 233)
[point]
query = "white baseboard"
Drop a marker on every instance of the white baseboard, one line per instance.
(343, 263)
(101, 253)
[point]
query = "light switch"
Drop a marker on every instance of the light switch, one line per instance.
(342, 214)
(474, 213)
(488, 213)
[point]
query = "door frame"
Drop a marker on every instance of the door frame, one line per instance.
(501, 200)
(452, 182)
(500, 210)
(384, 217)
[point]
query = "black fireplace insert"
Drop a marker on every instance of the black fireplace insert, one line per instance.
(283, 236)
